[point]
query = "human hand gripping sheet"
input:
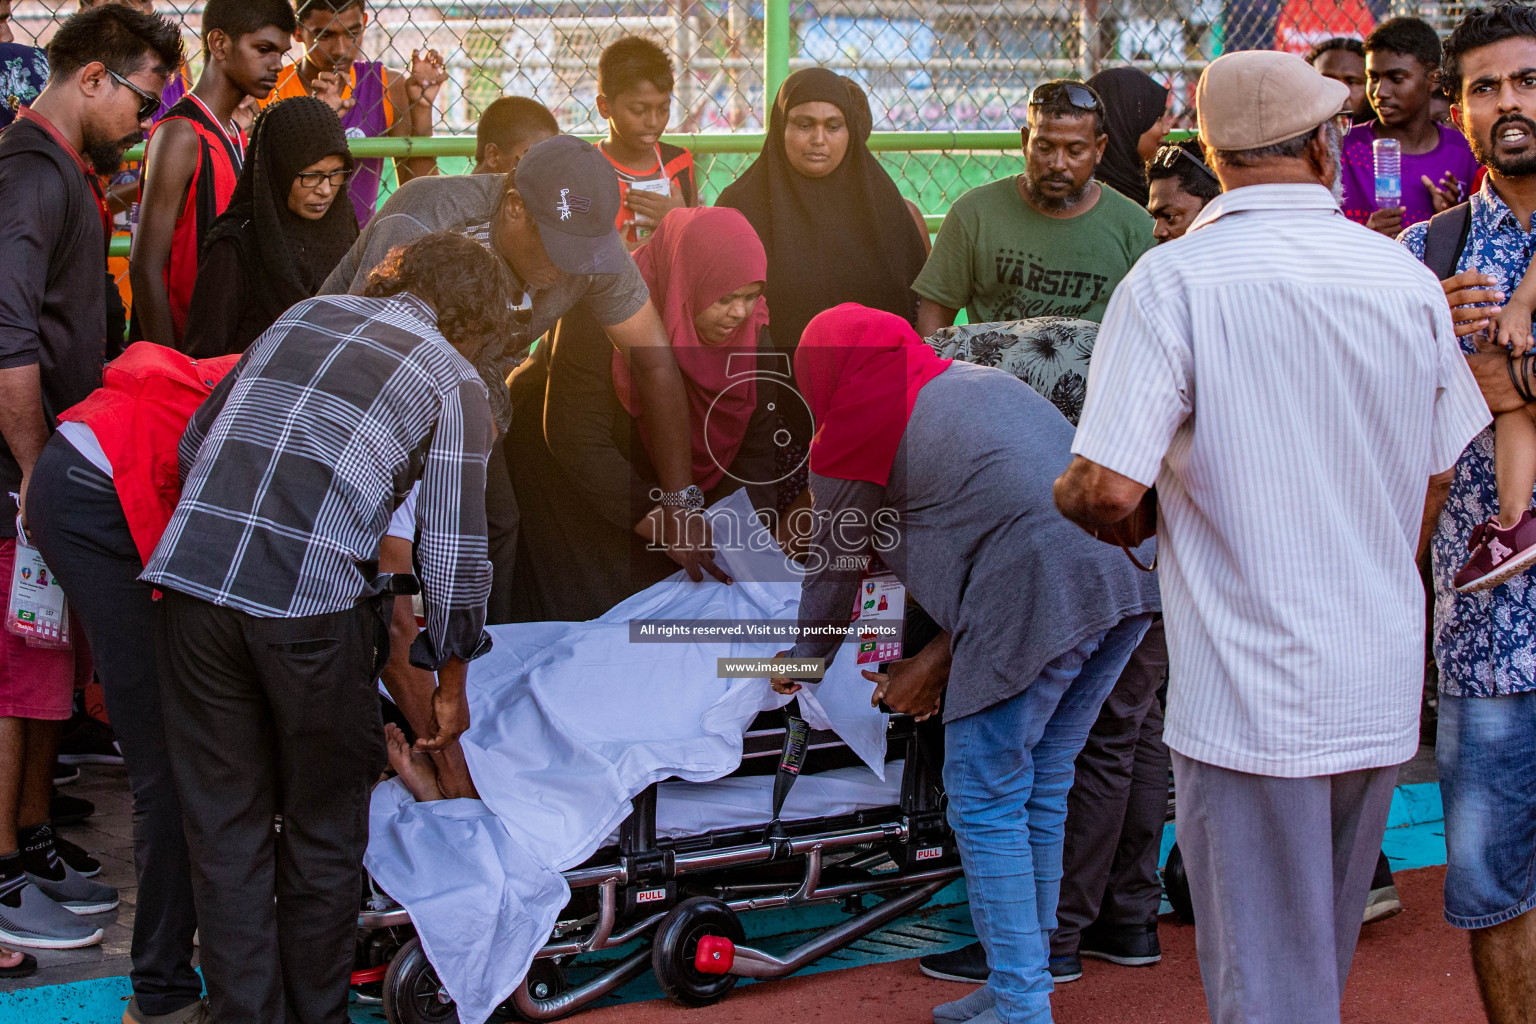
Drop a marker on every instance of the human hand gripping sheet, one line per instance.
(569, 721)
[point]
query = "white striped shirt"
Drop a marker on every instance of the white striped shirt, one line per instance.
(1289, 380)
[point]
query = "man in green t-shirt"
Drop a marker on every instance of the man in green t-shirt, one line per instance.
(1048, 242)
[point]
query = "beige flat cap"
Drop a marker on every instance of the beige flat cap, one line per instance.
(1257, 98)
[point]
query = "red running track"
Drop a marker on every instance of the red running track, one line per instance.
(1409, 969)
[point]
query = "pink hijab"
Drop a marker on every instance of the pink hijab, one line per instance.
(697, 257)
(860, 370)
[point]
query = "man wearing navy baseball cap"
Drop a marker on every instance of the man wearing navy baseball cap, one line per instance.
(552, 221)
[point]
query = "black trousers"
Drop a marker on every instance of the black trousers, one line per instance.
(78, 524)
(502, 520)
(1116, 807)
(271, 717)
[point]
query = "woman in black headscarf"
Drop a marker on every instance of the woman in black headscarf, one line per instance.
(835, 226)
(1136, 118)
(287, 225)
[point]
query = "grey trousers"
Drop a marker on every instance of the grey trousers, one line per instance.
(1279, 870)
(1117, 806)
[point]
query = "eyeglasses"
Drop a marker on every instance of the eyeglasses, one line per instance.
(312, 179)
(148, 103)
(1343, 121)
(1078, 95)
(1168, 156)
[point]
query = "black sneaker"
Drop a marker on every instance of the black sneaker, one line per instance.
(64, 774)
(88, 741)
(1065, 968)
(69, 810)
(967, 965)
(84, 864)
(1126, 947)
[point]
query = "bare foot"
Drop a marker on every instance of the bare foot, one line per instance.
(415, 769)
(9, 958)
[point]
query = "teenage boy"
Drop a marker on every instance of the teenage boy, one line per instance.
(370, 100)
(634, 95)
(1181, 183)
(508, 129)
(194, 158)
(107, 68)
(1402, 71)
(1342, 59)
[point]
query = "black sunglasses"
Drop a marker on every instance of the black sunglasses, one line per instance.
(1078, 95)
(1168, 156)
(147, 104)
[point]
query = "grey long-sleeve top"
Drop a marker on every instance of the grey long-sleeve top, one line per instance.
(969, 525)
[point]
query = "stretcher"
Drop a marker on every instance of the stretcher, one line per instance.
(881, 849)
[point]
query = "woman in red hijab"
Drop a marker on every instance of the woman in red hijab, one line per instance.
(945, 471)
(579, 446)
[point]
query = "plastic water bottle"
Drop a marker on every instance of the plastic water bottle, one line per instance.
(1388, 156)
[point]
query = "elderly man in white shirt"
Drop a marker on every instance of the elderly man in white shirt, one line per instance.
(1292, 386)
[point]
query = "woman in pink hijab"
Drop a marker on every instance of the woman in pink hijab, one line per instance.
(579, 446)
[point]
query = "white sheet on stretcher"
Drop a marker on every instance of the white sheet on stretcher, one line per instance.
(569, 721)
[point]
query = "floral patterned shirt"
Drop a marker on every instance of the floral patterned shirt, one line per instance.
(23, 73)
(1485, 643)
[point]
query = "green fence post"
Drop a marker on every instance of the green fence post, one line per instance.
(775, 50)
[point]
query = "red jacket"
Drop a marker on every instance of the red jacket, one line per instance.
(138, 416)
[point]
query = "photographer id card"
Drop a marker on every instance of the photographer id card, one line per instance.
(36, 610)
(879, 615)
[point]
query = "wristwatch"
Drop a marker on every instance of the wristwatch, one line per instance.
(690, 498)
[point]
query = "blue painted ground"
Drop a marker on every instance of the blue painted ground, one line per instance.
(1415, 838)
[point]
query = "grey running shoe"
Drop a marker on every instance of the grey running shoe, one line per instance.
(76, 893)
(1382, 904)
(39, 923)
(962, 1010)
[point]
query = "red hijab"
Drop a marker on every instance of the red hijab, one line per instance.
(860, 370)
(697, 257)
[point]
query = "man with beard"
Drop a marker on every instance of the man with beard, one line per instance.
(107, 67)
(194, 158)
(1279, 356)
(1486, 749)
(1048, 242)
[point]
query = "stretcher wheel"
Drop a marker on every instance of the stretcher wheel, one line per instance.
(677, 943)
(1176, 886)
(412, 992)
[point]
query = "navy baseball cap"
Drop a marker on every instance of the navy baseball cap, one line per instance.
(572, 192)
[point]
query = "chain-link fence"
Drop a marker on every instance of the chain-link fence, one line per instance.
(927, 65)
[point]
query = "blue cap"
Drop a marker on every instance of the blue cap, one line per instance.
(572, 192)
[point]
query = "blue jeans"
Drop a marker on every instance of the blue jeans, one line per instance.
(1007, 771)
(1486, 753)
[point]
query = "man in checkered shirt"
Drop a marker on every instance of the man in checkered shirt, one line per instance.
(275, 622)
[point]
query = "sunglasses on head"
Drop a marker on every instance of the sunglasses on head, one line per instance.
(1168, 156)
(148, 104)
(1078, 95)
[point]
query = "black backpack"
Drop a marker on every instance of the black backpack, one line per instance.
(1445, 239)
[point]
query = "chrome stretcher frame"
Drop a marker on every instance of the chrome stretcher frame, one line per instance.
(686, 894)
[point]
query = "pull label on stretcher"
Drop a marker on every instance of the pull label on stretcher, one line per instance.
(879, 614)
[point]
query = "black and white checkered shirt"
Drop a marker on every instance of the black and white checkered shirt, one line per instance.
(294, 464)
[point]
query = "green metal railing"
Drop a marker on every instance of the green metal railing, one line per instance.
(778, 44)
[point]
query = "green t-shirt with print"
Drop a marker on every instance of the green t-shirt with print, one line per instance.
(1000, 259)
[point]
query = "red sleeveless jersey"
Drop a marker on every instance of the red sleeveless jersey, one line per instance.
(219, 159)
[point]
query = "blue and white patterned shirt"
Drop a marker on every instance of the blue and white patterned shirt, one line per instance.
(1485, 643)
